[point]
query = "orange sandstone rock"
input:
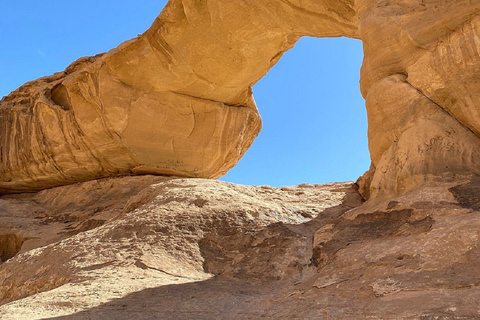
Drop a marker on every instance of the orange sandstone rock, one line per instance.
(177, 100)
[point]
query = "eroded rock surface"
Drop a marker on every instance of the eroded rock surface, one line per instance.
(420, 82)
(181, 230)
(37, 219)
(203, 249)
(177, 100)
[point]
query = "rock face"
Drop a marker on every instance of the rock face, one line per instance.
(419, 79)
(177, 100)
(203, 249)
(29, 221)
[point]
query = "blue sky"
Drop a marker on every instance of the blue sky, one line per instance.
(314, 120)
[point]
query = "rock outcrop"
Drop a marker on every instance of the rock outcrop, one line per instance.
(204, 249)
(177, 100)
(420, 82)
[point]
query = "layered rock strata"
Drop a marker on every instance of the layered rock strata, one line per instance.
(177, 100)
(420, 82)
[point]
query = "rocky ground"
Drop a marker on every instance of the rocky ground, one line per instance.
(165, 248)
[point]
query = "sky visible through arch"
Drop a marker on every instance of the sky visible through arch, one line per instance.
(314, 119)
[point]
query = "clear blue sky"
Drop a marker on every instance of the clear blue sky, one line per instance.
(314, 120)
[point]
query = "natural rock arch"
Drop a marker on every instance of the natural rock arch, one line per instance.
(314, 121)
(177, 100)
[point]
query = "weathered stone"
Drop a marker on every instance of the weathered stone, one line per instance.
(177, 99)
(419, 79)
(172, 228)
(203, 249)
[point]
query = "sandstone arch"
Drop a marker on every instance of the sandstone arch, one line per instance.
(177, 101)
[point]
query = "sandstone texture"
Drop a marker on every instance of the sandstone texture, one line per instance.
(177, 100)
(420, 82)
(111, 228)
(203, 249)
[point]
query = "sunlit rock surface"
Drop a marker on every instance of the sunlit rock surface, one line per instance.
(420, 82)
(177, 102)
(177, 99)
(203, 249)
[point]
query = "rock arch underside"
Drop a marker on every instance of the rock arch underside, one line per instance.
(151, 241)
(177, 99)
